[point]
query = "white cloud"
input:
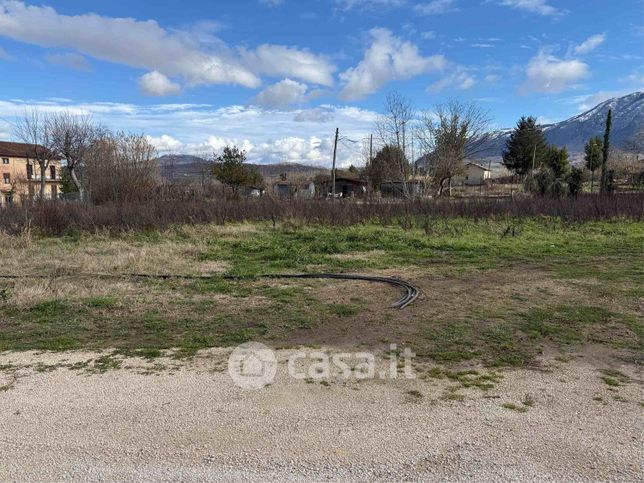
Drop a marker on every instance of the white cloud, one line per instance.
(492, 78)
(541, 7)
(121, 40)
(271, 3)
(481, 45)
(70, 60)
(282, 95)
(436, 7)
(156, 84)
(636, 78)
(388, 58)
(165, 143)
(278, 60)
(368, 4)
(268, 135)
(145, 44)
(319, 114)
(590, 44)
(460, 80)
(588, 101)
(547, 74)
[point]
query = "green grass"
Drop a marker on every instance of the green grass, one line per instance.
(515, 407)
(467, 244)
(603, 261)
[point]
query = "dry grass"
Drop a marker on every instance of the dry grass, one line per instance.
(490, 308)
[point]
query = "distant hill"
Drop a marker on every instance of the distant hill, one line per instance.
(177, 166)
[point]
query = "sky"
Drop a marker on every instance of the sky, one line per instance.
(277, 77)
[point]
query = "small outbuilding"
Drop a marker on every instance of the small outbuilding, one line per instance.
(476, 175)
(346, 186)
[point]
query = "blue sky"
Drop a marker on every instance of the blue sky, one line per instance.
(277, 76)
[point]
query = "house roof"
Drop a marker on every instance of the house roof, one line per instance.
(478, 166)
(348, 179)
(20, 150)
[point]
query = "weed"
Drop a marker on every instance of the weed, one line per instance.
(528, 401)
(106, 363)
(614, 378)
(515, 407)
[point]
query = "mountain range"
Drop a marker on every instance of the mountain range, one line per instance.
(176, 166)
(573, 133)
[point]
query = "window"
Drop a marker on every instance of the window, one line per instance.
(6, 177)
(54, 192)
(30, 171)
(8, 199)
(52, 172)
(5, 160)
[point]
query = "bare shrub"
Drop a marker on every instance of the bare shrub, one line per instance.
(57, 218)
(122, 169)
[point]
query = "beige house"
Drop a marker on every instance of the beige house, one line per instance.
(20, 174)
(476, 175)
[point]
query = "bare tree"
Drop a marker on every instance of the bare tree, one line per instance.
(122, 168)
(392, 128)
(449, 135)
(32, 130)
(73, 137)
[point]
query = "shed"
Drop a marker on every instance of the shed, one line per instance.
(476, 175)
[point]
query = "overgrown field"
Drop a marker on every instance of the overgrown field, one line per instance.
(56, 218)
(497, 291)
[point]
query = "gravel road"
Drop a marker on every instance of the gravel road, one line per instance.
(188, 421)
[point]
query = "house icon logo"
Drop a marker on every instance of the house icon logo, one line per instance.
(252, 365)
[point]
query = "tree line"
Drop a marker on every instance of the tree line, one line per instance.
(546, 169)
(432, 146)
(101, 165)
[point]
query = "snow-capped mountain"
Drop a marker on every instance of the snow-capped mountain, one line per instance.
(628, 119)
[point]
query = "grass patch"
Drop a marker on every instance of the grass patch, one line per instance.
(414, 394)
(602, 259)
(614, 378)
(100, 302)
(515, 407)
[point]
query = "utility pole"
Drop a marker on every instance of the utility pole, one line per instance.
(335, 152)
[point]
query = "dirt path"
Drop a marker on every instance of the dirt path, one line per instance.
(190, 422)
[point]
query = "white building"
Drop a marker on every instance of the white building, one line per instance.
(476, 175)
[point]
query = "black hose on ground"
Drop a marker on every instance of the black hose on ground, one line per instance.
(411, 292)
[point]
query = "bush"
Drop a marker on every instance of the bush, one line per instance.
(575, 181)
(65, 218)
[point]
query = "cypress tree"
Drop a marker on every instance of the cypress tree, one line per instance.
(605, 150)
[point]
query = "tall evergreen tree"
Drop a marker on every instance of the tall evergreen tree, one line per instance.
(593, 153)
(605, 151)
(385, 166)
(527, 147)
(558, 161)
(230, 169)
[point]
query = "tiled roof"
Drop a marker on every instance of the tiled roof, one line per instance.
(19, 150)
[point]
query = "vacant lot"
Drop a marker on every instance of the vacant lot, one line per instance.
(494, 292)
